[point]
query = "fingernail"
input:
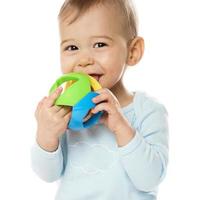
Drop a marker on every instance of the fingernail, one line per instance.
(93, 111)
(94, 99)
(59, 89)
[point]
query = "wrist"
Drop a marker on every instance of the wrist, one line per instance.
(47, 143)
(125, 135)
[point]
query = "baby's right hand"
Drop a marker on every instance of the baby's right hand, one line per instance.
(52, 121)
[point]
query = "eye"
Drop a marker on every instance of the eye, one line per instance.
(100, 44)
(70, 48)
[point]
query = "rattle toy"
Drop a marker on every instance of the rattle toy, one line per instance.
(78, 93)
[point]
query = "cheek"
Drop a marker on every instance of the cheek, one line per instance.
(108, 59)
(113, 61)
(66, 64)
(104, 59)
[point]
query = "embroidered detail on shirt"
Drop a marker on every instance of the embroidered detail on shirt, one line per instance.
(91, 158)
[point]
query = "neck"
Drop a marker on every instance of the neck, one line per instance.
(122, 94)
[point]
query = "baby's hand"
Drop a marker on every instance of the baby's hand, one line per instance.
(112, 117)
(52, 121)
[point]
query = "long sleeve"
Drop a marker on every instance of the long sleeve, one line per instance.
(49, 166)
(145, 157)
(92, 166)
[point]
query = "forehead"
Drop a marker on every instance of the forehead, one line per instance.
(96, 20)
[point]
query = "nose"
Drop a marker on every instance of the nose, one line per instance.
(85, 60)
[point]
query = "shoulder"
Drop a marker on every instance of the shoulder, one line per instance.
(145, 104)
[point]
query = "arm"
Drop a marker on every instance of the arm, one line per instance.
(49, 166)
(46, 154)
(145, 157)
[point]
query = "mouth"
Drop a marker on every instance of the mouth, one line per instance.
(96, 76)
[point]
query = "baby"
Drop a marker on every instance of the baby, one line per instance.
(125, 156)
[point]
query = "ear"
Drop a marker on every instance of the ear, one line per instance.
(135, 51)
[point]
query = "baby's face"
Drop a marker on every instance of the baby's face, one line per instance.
(94, 44)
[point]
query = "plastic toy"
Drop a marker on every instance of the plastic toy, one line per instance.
(78, 93)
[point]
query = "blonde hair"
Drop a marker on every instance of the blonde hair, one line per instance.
(125, 7)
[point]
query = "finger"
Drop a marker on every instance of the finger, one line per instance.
(63, 111)
(52, 97)
(88, 116)
(42, 101)
(103, 118)
(36, 111)
(67, 108)
(103, 107)
(39, 105)
(67, 117)
(102, 97)
(55, 108)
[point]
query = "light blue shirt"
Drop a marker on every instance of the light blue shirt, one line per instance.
(91, 166)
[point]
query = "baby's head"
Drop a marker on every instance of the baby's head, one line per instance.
(99, 38)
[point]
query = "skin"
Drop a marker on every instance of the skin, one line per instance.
(83, 51)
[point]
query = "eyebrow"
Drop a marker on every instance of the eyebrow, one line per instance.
(95, 36)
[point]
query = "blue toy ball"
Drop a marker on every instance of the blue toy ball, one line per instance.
(80, 110)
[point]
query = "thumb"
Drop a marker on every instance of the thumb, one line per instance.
(52, 97)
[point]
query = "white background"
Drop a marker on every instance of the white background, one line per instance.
(169, 71)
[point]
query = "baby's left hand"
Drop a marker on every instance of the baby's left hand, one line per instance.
(113, 118)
